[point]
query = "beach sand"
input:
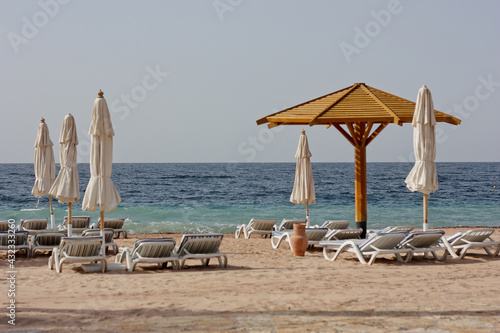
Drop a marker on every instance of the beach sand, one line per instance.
(261, 290)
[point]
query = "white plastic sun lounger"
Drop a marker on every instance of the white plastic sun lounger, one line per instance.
(78, 249)
(20, 239)
(78, 224)
(202, 247)
(108, 237)
(314, 237)
(385, 243)
(335, 224)
(151, 251)
(5, 225)
(46, 240)
(262, 227)
(425, 242)
(459, 243)
(113, 223)
(33, 225)
(287, 224)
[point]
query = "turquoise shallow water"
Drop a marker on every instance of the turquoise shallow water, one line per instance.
(203, 197)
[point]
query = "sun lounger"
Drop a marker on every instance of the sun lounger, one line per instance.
(46, 240)
(78, 224)
(398, 228)
(200, 246)
(459, 243)
(287, 224)
(78, 249)
(335, 224)
(384, 243)
(5, 225)
(314, 237)
(340, 234)
(155, 250)
(18, 239)
(108, 237)
(33, 226)
(261, 227)
(424, 242)
(113, 223)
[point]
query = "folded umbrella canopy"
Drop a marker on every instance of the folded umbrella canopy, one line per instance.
(303, 186)
(45, 166)
(100, 189)
(66, 188)
(423, 176)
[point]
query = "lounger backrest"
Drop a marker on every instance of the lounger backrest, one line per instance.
(383, 241)
(154, 249)
(4, 226)
(21, 238)
(112, 223)
(287, 224)
(48, 238)
(260, 224)
(35, 224)
(398, 228)
(336, 224)
(347, 234)
(474, 235)
(422, 239)
(79, 222)
(108, 234)
(81, 246)
(200, 243)
(316, 234)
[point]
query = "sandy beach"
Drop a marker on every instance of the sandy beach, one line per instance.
(261, 290)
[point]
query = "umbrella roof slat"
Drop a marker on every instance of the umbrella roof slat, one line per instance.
(356, 103)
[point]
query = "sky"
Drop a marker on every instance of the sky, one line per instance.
(185, 81)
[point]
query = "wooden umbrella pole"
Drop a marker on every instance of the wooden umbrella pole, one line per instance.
(426, 226)
(307, 214)
(360, 178)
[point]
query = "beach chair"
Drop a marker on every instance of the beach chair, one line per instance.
(114, 223)
(200, 246)
(425, 242)
(260, 227)
(5, 225)
(384, 243)
(78, 224)
(335, 224)
(78, 249)
(458, 244)
(340, 234)
(46, 240)
(155, 250)
(398, 228)
(287, 224)
(108, 237)
(33, 225)
(314, 237)
(18, 240)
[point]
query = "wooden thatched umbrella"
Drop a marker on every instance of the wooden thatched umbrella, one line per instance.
(358, 108)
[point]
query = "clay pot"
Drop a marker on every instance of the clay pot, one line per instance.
(298, 240)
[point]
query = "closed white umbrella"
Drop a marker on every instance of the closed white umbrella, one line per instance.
(423, 177)
(66, 188)
(303, 186)
(100, 190)
(45, 166)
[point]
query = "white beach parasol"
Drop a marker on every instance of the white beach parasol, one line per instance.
(303, 186)
(100, 189)
(45, 166)
(66, 188)
(423, 177)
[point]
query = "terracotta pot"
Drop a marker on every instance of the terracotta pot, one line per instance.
(298, 240)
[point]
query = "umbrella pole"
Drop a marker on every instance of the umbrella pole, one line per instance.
(307, 214)
(52, 219)
(70, 227)
(425, 213)
(102, 233)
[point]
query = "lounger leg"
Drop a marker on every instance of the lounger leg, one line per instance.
(450, 249)
(492, 254)
(238, 232)
(276, 241)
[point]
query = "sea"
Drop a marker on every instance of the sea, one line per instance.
(217, 197)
